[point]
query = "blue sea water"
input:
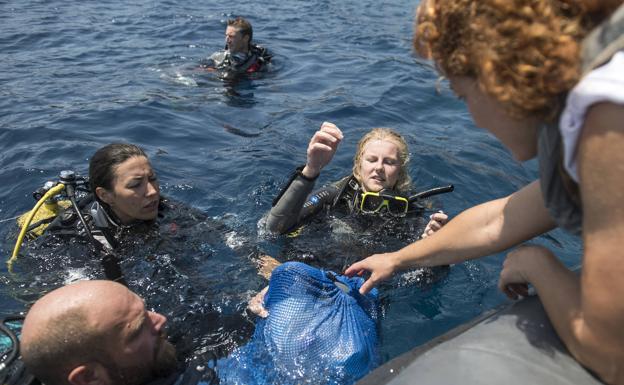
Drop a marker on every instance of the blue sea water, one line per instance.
(77, 75)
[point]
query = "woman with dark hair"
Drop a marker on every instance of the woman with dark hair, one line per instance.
(121, 178)
(126, 217)
(533, 75)
(124, 197)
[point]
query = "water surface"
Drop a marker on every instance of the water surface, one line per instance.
(77, 75)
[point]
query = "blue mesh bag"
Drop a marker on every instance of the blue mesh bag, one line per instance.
(320, 330)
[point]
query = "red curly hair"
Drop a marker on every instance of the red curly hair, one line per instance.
(524, 53)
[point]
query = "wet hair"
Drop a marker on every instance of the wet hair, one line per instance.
(242, 25)
(387, 134)
(524, 53)
(105, 161)
(67, 342)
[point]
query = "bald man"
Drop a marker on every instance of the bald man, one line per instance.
(98, 333)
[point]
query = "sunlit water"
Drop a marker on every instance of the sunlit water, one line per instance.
(77, 75)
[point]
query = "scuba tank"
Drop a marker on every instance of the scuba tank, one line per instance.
(46, 213)
(51, 206)
(56, 199)
(51, 199)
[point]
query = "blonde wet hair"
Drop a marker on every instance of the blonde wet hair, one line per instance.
(386, 134)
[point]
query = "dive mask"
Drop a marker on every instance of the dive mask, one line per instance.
(374, 202)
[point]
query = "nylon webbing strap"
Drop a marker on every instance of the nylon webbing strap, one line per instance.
(603, 42)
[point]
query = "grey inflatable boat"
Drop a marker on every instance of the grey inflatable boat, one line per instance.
(514, 344)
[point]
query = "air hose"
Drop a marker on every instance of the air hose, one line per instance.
(18, 244)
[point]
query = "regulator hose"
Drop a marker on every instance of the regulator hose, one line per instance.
(18, 244)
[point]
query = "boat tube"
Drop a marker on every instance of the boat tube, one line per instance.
(514, 344)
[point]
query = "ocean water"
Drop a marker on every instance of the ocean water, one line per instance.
(77, 75)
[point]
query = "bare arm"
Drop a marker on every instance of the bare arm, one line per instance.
(481, 230)
(588, 313)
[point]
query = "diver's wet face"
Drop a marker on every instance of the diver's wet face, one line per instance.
(163, 365)
(519, 136)
(235, 40)
(379, 165)
(141, 352)
(135, 194)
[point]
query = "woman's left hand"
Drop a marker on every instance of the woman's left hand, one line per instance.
(519, 267)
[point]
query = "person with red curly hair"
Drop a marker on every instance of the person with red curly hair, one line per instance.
(545, 77)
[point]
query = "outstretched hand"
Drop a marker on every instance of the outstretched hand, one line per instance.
(381, 267)
(322, 148)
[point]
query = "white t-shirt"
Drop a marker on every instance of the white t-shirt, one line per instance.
(603, 84)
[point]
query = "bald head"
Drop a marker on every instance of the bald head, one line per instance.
(95, 332)
(75, 298)
(69, 326)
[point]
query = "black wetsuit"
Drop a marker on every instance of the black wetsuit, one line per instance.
(180, 263)
(108, 233)
(327, 230)
(255, 60)
(295, 204)
(172, 220)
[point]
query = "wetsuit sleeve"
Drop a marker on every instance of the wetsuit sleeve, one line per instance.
(286, 210)
(295, 204)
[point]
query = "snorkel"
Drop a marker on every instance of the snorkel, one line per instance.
(431, 192)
